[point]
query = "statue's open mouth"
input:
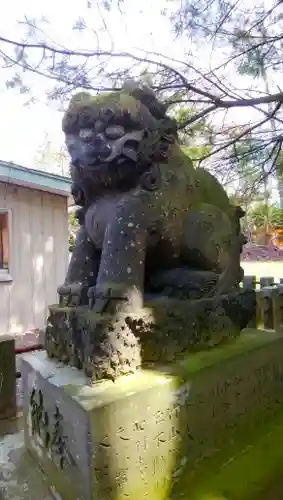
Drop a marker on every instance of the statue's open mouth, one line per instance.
(98, 162)
(90, 154)
(96, 150)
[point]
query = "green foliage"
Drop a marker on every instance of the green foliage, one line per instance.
(196, 131)
(255, 41)
(193, 138)
(279, 165)
(50, 160)
(261, 215)
(16, 83)
(182, 115)
(248, 167)
(197, 152)
(73, 227)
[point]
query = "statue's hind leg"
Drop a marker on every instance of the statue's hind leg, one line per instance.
(211, 242)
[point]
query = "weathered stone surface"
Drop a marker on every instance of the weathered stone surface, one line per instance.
(150, 223)
(147, 433)
(7, 377)
(277, 308)
(112, 446)
(166, 329)
(266, 294)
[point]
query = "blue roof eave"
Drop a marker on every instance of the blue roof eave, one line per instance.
(36, 179)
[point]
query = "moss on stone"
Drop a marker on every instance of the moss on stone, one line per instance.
(222, 419)
(255, 458)
(249, 340)
(163, 332)
(85, 106)
(207, 190)
(235, 406)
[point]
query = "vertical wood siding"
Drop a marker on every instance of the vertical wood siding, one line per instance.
(38, 256)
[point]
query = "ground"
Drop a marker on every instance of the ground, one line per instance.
(20, 479)
(266, 268)
(263, 260)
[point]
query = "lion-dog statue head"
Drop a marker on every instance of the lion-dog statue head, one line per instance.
(113, 138)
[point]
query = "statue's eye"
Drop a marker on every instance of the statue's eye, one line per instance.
(70, 142)
(115, 131)
(98, 126)
(86, 133)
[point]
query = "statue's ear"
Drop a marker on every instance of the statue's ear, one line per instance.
(147, 97)
(70, 115)
(130, 85)
(80, 98)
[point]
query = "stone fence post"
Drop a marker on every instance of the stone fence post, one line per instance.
(8, 407)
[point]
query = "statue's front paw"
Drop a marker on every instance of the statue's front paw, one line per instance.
(91, 294)
(105, 300)
(72, 294)
(99, 301)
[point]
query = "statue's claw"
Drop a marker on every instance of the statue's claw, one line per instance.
(72, 294)
(101, 300)
(91, 294)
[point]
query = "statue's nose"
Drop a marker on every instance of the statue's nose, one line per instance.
(102, 148)
(98, 141)
(100, 145)
(97, 147)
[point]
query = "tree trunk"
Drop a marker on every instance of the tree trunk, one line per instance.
(272, 121)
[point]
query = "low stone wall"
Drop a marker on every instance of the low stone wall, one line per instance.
(269, 298)
(150, 434)
(169, 430)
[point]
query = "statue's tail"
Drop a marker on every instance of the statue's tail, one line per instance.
(240, 307)
(231, 277)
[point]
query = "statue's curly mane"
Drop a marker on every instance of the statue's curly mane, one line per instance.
(137, 108)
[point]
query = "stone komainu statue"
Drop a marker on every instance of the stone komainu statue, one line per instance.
(150, 223)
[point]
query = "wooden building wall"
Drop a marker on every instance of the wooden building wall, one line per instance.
(38, 256)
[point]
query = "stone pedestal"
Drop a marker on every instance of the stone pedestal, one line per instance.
(8, 408)
(111, 440)
(147, 435)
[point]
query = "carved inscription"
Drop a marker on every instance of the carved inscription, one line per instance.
(147, 446)
(47, 431)
(239, 394)
(241, 385)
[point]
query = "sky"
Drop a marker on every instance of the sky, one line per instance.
(23, 128)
